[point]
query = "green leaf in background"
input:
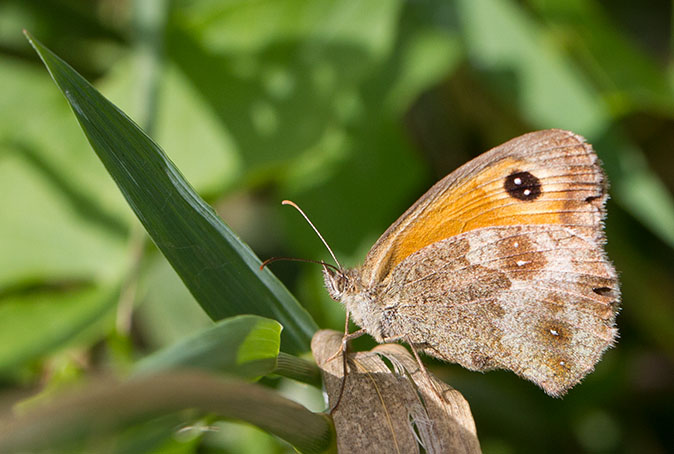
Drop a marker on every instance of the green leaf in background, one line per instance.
(168, 311)
(63, 226)
(628, 77)
(103, 407)
(221, 272)
(246, 346)
(57, 316)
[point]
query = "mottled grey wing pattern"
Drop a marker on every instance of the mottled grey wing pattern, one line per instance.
(539, 300)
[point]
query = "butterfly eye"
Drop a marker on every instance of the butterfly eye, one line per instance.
(523, 186)
(335, 282)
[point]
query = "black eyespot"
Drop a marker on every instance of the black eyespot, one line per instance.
(523, 186)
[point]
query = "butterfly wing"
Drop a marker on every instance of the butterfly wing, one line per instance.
(501, 265)
(547, 177)
(539, 300)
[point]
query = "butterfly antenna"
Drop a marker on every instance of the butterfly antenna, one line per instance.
(294, 205)
(294, 259)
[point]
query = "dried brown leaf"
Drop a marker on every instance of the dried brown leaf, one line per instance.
(391, 407)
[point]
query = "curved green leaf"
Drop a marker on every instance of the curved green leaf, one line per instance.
(246, 346)
(221, 272)
(104, 407)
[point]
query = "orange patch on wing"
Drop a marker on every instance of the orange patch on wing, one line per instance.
(481, 201)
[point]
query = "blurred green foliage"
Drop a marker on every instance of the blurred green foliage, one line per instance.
(351, 109)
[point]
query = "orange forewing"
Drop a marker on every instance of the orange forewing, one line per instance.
(478, 199)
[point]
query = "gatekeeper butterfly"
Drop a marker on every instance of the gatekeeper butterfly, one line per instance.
(500, 265)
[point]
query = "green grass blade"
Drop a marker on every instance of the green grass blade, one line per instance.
(221, 272)
(246, 346)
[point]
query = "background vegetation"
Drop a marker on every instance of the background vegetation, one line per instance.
(351, 109)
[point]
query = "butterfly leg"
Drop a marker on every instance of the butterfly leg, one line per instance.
(423, 369)
(344, 350)
(345, 340)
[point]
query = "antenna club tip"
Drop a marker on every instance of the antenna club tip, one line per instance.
(294, 205)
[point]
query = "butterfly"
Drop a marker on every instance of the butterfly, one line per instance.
(500, 265)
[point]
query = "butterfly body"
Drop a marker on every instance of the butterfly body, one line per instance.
(500, 265)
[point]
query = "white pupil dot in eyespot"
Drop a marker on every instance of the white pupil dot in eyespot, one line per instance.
(554, 332)
(517, 181)
(527, 191)
(521, 262)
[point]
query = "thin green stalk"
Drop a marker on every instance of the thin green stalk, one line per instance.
(299, 369)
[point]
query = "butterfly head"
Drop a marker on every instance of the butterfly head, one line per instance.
(339, 282)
